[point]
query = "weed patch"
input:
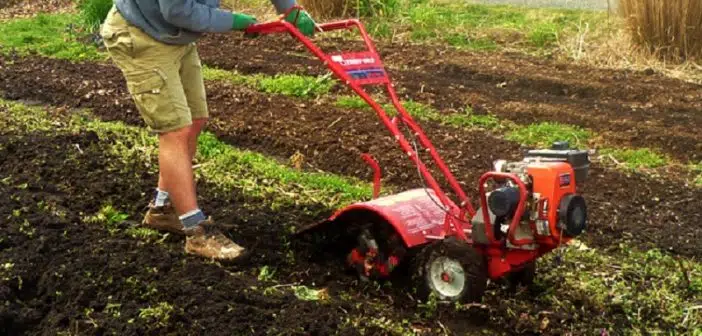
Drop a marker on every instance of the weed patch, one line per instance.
(484, 27)
(637, 158)
(23, 119)
(308, 294)
(296, 85)
(697, 170)
(289, 85)
(51, 35)
(230, 167)
(351, 102)
(656, 291)
(160, 314)
(421, 111)
(546, 133)
(94, 12)
(108, 216)
(228, 76)
(468, 119)
(143, 233)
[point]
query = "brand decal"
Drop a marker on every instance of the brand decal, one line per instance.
(353, 61)
(564, 180)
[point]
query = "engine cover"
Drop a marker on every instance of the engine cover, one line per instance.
(551, 183)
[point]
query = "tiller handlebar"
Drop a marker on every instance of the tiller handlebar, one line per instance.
(365, 68)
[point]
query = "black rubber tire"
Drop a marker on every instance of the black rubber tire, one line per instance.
(472, 262)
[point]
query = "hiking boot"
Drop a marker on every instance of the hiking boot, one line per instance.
(206, 240)
(163, 218)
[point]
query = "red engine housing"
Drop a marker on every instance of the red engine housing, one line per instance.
(551, 181)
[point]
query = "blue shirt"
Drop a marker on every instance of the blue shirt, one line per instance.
(182, 21)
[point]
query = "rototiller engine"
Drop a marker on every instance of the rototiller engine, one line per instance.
(526, 208)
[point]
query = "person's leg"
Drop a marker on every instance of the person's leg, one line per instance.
(204, 239)
(176, 172)
(195, 130)
(153, 74)
(194, 87)
(162, 197)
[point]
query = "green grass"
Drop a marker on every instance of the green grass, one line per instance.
(466, 118)
(656, 292)
(351, 102)
(143, 233)
(296, 85)
(546, 133)
(94, 12)
(107, 216)
(160, 314)
(228, 76)
(49, 35)
(230, 167)
(637, 158)
(484, 27)
(289, 85)
(696, 169)
(377, 8)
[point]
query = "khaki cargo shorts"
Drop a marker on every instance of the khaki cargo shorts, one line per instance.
(164, 80)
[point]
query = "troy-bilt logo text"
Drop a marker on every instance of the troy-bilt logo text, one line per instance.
(353, 61)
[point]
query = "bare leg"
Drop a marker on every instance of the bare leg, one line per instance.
(195, 130)
(176, 174)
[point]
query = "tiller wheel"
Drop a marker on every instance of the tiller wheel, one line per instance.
(526, 208)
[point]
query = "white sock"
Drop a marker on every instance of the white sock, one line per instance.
(161, 197)
(192, 218)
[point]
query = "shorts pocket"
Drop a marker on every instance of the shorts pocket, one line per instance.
(151, 96)
(150, 81)
(118, 40)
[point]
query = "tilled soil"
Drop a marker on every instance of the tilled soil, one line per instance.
(12, 9)
(67, 274)
(63, 273)
(638, 109)
(641, 211)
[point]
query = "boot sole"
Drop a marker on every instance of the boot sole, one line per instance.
(242, 258)
(163, 228)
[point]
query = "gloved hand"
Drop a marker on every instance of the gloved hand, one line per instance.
(242, 21)
(303, 21)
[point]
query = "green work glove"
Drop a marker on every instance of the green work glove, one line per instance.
(303, 21)
(242, 21)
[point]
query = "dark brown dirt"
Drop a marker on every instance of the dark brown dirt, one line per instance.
(12, 9)
(69, 275)
(73, 276)
(639, 109)
(632, 209)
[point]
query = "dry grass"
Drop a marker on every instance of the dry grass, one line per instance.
(610, 45)
(594, 41)
(262, 10)
(669, 29)
(328, 8)
(321, 9)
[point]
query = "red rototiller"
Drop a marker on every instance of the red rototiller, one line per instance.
(526, 208)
